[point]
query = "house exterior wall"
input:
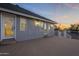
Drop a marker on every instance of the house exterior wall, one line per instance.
(21, 35)
(31, 31)
(39, 31)
(2, 35)
(0, 25)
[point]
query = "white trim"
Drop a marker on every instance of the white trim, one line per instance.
(1, 27)
(7, 10)
(15, 26)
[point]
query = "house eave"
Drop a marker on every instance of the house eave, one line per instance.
(26, 15)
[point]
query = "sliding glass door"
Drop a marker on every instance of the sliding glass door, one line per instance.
(8, 26)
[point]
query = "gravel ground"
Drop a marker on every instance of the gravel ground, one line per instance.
(53, 46)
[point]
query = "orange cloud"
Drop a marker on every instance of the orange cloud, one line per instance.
(76, 22)
(63, 17)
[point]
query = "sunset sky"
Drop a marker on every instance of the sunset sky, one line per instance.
(61, 13)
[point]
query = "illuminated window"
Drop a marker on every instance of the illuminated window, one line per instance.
(45, 27)
(52, 25)
(49, 27)
(22, 24)
(38, 23)
(8, 25)
(41, 24)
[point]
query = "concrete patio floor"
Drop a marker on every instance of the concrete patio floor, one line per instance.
(53, 46)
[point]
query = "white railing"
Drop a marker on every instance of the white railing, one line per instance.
(63, 34)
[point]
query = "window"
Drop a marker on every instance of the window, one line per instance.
(52, 25)
(49, 27)
(41, 24)
(45, 27)
(38, 23)
(8, 24)
(22, 24)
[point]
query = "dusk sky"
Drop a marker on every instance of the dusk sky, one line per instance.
(61, 13)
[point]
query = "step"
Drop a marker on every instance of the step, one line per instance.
(8, 41)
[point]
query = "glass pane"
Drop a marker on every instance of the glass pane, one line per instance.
(8, 25)
(22, 24)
